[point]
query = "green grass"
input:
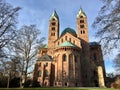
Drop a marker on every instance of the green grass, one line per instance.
(72, 88)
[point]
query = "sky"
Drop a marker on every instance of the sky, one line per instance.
(38, 12)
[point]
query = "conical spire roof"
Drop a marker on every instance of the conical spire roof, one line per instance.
(54, 15)
(81, 12)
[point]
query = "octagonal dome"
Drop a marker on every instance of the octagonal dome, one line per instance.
(69, 30)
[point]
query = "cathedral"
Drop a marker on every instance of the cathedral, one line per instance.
(69, 59)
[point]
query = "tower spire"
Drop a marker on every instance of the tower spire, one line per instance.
(54, 15)
(81, 12)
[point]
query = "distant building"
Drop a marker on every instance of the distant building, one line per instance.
(69, 59)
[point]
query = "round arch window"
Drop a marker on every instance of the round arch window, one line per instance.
(64, 57)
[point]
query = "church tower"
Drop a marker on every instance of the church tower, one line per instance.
(82, 34)
(82, 28)
(53, 31)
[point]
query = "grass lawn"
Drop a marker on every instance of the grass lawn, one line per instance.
(72, 88)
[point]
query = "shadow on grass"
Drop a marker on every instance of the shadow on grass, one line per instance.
(41, 89)
(57, 89)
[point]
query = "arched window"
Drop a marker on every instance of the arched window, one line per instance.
(53, 28)
(83, 32)
(53, 23)
(46, 64)
(75, 59)
(65, 37)
(61, 40)
(45, 83)
(53, 19)
(81, 16)
(74, 41)
(39, 73)
(55, 84)
(65, 83)
(81, 26)
(81, 21)
(46, 73)
(65, 49)
(71, 66)
(52, 34)
(64, 57)
(70, 39)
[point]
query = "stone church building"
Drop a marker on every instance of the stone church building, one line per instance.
(69, 59)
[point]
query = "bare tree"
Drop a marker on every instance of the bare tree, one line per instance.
(8, 20)
(117, 63)
(11, 70)
(107, 24)
(3, 60)
(26, 46)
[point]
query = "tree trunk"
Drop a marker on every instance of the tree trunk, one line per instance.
(26, 72)
(8, 80)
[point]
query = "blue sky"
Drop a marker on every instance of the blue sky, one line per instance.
(39, 11)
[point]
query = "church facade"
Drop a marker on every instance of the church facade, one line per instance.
(69, 59)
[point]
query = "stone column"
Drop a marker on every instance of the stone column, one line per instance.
(101, 77)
